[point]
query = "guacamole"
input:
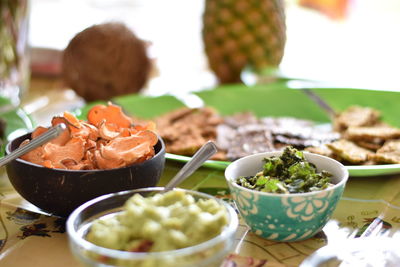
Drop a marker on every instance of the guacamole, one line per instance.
(163, 222)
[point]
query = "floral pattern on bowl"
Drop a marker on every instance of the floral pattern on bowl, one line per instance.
(285, 217)
(308, 207)
(246, 202)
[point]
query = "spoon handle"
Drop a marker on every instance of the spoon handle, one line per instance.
(203, 154)
(34, 143)
(320, 102)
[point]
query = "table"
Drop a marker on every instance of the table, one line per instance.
(31, 238)
(28, 238)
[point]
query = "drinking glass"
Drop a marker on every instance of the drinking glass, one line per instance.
(14, 53)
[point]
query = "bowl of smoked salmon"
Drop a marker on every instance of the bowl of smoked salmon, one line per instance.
(104, 154)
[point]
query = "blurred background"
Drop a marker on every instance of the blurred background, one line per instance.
(351, 43)
(334, 43)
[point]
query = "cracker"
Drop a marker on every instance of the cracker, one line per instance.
(349, 151)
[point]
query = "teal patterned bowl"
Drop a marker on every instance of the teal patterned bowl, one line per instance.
(285, 217)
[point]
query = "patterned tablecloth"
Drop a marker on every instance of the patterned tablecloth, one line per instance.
(30, 238)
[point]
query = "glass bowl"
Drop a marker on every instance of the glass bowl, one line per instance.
(208, 253)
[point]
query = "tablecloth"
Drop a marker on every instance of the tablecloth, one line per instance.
(30, 238)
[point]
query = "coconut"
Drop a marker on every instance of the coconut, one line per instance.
(104, 61)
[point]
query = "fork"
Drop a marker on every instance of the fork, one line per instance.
(330, 252)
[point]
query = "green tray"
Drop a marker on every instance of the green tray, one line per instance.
(273, 100)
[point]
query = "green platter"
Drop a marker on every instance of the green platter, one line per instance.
(273, 100)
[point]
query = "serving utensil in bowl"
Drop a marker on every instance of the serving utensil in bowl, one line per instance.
(52, 133)
(59, 191)
(203, 154)
(209, 253)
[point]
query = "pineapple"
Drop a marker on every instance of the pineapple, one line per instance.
(240, 34)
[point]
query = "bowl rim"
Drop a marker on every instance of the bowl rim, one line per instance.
(228, 230)
(158, 154)
(339, 165)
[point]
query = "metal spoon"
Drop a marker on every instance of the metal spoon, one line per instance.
(53, 132)
(320, 102)
(203, 154)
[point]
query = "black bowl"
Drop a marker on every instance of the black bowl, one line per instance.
(59, 192)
